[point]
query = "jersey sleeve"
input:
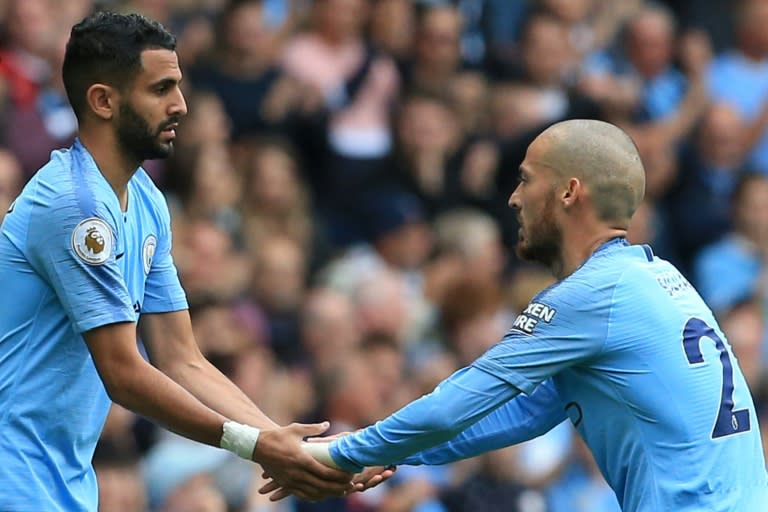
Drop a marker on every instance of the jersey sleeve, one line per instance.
(563, 326)
(162, 291)
(73, 249)
(521, 419)
(456, 403)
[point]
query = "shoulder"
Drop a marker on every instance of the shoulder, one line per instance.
(594, 285)
(62, 189)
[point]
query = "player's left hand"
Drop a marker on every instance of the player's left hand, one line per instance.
(318, 448)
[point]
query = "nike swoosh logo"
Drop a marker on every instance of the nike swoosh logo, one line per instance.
(120, 255)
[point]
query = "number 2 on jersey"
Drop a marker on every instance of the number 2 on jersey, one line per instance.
(728, 421)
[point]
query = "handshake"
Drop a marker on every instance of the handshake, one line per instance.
(308, 470)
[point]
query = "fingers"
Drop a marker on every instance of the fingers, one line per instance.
(269, 487)
(371, 477)
(309, 429)
(279, 495)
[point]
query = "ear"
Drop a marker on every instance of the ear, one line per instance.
(102, 100)
(573, 189)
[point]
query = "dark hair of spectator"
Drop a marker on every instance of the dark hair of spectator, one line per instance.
(106, 48)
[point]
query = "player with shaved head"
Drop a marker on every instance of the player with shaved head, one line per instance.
(622, 345)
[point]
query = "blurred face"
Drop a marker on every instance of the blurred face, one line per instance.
(274, 186)
(539, 236)
(720, 141)
(329, 324)
(546, 51)
(438, 41)
(753, 33)
(392, 25)
(427, 125)
(147, 120)
(752, 211)
(31, 24)
(341, 19)
(649, 44)
(246, 34)
(280, 274)
(570, 11)
(121, 488)
(406, 247)
(10, 181)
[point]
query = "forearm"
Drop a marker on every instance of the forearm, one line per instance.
(520, 419)
(218, 392)
(458, 402)
(148, 392)
(173, 349)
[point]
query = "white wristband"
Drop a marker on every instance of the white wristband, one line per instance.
(240, 439)
(321, 452)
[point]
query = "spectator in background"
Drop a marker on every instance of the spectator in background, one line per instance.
(381, 307)
(358, 85)
(392, 28)
(731, 269)
(121, 486)
(39, 117)
(744, 325)
(698, 207)
(11, 180)
(214, 188)
(277, 287)
(638, 78)
(244, 73)
(208, 262)
(473, 318)
(436, 55)
(739, 77)
(581, 487)
(475, 238)
(546, 59)
(495, 486)
(275, 199)
(329, 327)
(180, 476)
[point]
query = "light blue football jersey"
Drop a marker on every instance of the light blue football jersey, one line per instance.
(627, 350)
(70, 261)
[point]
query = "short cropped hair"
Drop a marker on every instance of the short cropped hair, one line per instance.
(106, 48)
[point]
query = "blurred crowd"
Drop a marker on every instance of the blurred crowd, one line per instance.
(339, 192)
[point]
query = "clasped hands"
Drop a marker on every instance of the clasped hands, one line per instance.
(304, 468)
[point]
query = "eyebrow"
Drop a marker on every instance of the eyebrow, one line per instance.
(165, 81)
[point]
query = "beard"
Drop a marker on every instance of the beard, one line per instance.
(138, 139)
(543, 240)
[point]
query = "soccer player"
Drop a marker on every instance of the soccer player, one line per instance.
(621, 344)
(84, 252)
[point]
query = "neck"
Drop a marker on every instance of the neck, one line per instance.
(576, 250)
(116, 167)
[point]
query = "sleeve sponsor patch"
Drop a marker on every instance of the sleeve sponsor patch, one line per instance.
(92, 241)
(536, 312)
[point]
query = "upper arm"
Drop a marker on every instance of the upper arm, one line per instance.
(73, 250)
(169, 339)
(560, 328)
(114, 353)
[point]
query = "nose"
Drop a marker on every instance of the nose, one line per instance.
(178, 107)
(514, 198)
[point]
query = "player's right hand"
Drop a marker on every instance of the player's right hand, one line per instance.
(295, 471)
